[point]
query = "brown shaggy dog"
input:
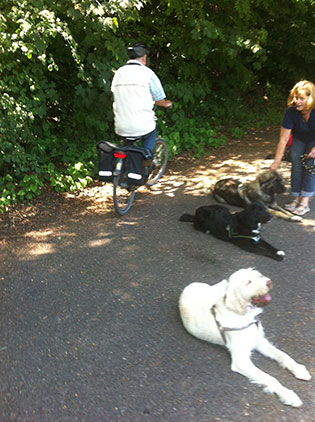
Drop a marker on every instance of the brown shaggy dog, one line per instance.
(264, 188)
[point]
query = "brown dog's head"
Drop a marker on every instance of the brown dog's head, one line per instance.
(271, 182)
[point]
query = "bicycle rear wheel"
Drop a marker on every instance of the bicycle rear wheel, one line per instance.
(123, 194)
(159, 162)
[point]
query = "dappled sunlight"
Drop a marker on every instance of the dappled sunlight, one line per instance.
(51, 241)
(204, 177)
(121, 222)
(39, 249)
(309, 222)
(98, 242)
(99, 198)
(166, 186)
(45, 242)
(46, 234)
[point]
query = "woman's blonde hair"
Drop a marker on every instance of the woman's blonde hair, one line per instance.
(303, 88)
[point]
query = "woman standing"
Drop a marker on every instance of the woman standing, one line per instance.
(299, 119)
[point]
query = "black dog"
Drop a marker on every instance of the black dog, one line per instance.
(264, 189)
(241, 228)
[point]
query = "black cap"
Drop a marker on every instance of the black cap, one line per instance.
(139, 49)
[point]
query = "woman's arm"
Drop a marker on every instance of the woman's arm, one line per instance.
(284, 139)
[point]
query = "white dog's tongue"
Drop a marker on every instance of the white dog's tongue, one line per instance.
(262, 299)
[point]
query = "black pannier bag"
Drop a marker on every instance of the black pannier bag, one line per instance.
(137, 170)
(106, 161)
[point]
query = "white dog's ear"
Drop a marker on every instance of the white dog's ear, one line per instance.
(234, 299)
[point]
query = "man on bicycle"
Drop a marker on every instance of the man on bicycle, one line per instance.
(136, 90)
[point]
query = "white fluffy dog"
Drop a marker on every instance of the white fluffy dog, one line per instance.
(226, 314)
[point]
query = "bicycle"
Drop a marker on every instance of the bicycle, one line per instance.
(126, 182)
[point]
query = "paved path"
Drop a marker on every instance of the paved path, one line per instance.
(90, 327)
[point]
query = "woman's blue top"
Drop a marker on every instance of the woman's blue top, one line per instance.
(304, 131)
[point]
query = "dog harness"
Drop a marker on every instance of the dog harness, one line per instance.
(222, 329)
(233, 235)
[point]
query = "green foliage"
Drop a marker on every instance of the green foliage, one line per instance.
(238, 132)
(57, 62)
(224, 64)
(182, 133)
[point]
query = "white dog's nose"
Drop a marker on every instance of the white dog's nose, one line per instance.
(269, 284)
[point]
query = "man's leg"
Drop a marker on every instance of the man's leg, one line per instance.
(148, 140)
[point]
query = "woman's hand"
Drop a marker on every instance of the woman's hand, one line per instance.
(311, 154)
(274, 166)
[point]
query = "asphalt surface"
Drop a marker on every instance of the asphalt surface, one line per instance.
(90, 325)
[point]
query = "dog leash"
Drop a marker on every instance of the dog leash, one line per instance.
(222, 329)
(310, 168)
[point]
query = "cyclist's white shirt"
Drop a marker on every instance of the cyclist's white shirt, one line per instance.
(133, 100)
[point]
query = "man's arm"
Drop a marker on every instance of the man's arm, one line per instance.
(158, 93)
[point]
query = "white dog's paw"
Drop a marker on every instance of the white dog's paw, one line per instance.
(296, 218)
(302, 373)
(290, 398)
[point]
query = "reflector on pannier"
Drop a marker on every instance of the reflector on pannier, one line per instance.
(106, 160)
(136, 170)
